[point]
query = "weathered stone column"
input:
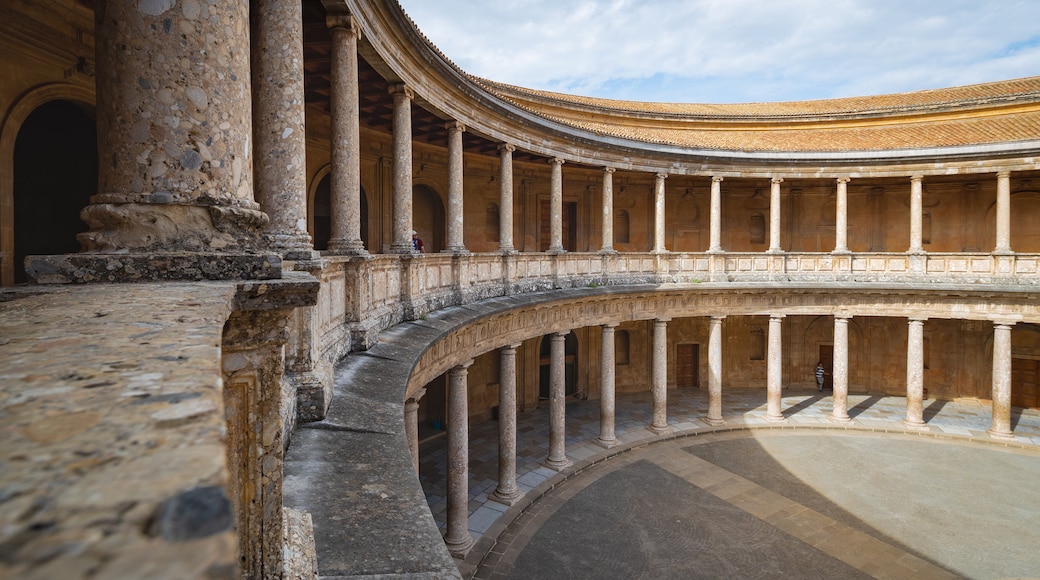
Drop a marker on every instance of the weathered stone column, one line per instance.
(774, 380)
(278, 126)
(507, 491)
(456, 243)
(1003, 213)
(715, 370)
(1000, 426)
(659, 213)
(608, 210)
(659, 422)
(915, 374)
(715, 244)
(411, 426)
(606, 437)
(505, 199)
(174, 120)
(345, 137)
(402, 170)
(557, 458)
(841, 219)
(457, 537)
(915, 215)
(840, 411)
(774, 215)
(556, 207)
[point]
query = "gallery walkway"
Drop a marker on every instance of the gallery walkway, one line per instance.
(512, 539)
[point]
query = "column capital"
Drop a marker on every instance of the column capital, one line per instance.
(717, 178)
(662, 320)
(842, 317)
(717, 318)
(661, 176)
(510, 347)
(608, 170)
(916, 320)
(776, 180)
(506, 147)
(401, 89)
(843, 179)
(610, 325)
(557, 161)
(416, 396)
(561, 334)
(1004, 174)
(462, 367)
(455, 126)
(1004, 323)
(777, 317)
(343, 20)
(917, 178)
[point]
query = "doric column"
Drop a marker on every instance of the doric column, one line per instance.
(840, 411)
(402, 170)
(915, 373)
(774, 385)
(606, 396)
(659, 212)
(556, 206)
(774, 214)
(507, 491)
(456, 243)
(345, 137)
(841, 219)
(608, 210)
(659, 422)
(716, 215)
(1000, 425)
(278, 126)
(1003, 213)
(557, 458)
(411, 426)
(457, 536)
(505, 198)
(715, 370)
(915, 214)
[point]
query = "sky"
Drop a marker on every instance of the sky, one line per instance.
(735, 51)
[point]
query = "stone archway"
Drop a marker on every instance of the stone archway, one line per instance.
(319, 214)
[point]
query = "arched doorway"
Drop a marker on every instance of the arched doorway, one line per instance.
(428, 217)
(321, 215)
(55, 174)
(570, 372)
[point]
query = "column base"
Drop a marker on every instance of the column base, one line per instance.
(715, 421)
(841, 252)
(608, 251)
(915, 425)
(659, 430)
(1003, 252)
(843, 420)
(402, 249)
(557, 464)
(506, 498)
(151, 267)
(508, 251)
(459, 548)
(1000, 434)
(556, 251)
(460, 251)
(607, 443)
(776, 418)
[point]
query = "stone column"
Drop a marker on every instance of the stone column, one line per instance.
(1003, 213)
(456, 243)
(841, 219)
(608, 210)
(774, 384)
(1000, 426)
(715, 370)
(556, 207)
(505, 198)
(507, 491)
(915, 215)
(411, 426)
(774, 215)
(606, 437)
(659, 213)
(840, 411)
(345, 137)
(457, 537)
(659, 422)
(174, 123)
(716, 215)
(557, 459)
(278, 126)
(915, 374)
(402, 170)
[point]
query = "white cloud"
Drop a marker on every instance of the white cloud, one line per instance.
(735, 50)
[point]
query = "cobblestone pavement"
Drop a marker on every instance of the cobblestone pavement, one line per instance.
(495, 526)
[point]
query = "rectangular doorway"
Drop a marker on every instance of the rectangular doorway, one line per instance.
(687, 365)
(1024, 391)
(827, 358)
(569, 225)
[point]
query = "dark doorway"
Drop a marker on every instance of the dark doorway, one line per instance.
(1024, 379)
(322, 215)
(687, 365)
(827, 358)
(55, 174)
(570, 226)
(433, 408)
(428, 218)
(570, 367)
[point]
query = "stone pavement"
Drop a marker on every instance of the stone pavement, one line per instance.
(491, 522)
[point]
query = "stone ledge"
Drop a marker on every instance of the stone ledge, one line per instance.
(182, 266)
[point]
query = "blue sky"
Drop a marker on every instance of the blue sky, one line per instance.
(728, 51)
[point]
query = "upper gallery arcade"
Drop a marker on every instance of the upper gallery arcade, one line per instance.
(287, 152)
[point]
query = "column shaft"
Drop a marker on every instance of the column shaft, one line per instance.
(1000, 425)
(608, 209)
(456, 243)
(715, 244)
(774, 386)
(1003, 213)
(840, 411)
(505, 198)
(457, 536)
(507, 491)
(841, 219)
(411, 426)
(606, 396)
(915, 373)
(345, 138)
(557, 458)
(774, 214)
(659, 423)
(402, 170)
(915, 215)
(659, 213)
(715, 370)
(556, 206)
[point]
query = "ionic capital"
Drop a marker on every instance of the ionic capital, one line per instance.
(506, 147)
(343, 20)
(662, 176)
(716, 179)
(777, 180)
(843, 180)
(608, 170)
(1004, 174)
(401, 89)
(917, 178)
(557, 161)
(452, 126)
